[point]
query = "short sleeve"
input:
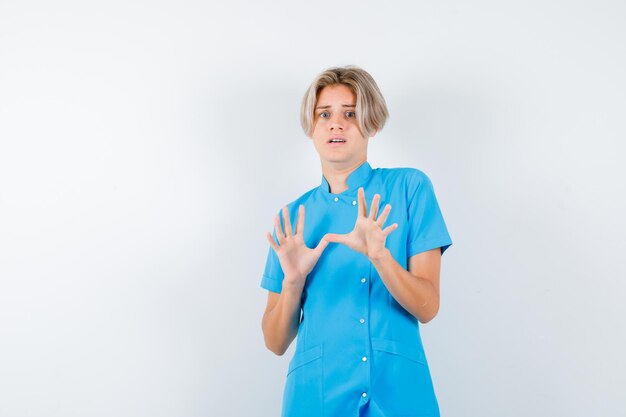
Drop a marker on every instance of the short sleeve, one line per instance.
(273, 274)
(427, 228)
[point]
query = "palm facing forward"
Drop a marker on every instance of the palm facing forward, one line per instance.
(368, 236)
(296, 258)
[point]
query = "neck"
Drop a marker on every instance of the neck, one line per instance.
(337, 175)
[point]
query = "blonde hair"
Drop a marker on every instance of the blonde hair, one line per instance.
(371, 109)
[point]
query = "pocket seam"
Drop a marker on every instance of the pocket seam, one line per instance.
(399, 349)
(302, 358)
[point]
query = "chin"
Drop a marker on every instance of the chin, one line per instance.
(336, 159)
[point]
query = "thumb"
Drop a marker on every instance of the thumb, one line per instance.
(321, 246)
(334, 237)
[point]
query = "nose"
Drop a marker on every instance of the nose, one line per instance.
(336, 122)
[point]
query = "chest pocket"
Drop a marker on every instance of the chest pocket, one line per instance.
(303, 396)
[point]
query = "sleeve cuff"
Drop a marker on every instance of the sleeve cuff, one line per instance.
(271, 284)
(420, 246)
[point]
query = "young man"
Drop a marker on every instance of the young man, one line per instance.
(355, 281)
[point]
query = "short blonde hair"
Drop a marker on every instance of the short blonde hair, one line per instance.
(371, 109)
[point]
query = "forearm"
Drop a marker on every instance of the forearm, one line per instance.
(417, 295)
(280, 325)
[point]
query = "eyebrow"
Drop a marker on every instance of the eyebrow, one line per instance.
(328, 106)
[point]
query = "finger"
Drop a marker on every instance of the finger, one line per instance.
(279, 230)
(374, 207)
(300, 221)
(389, 229)
(334, 237)
(287, 222)
(270, 239)
(383, 216)
(362, 204)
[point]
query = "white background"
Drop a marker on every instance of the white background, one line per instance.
(145, 147)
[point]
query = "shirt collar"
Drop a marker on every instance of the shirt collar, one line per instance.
(356, 178)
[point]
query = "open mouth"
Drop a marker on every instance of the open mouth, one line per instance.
(337, 140)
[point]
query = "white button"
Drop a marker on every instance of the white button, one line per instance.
(354, 203)
(364, 395)
(336, 199)
(364, 358)
(362, 321)
(363, 280)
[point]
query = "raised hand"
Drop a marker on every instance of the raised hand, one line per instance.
(296, 258)
(368, 236)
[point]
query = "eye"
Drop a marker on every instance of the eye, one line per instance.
(350, 114)
(324, 114)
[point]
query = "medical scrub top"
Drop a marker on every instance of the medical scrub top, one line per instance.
(358, 351)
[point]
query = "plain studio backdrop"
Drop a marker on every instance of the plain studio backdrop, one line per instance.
(146, 146)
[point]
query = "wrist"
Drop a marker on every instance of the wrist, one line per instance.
(380, 257)
(293, 286)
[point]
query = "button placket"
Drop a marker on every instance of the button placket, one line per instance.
(364, 296)
(365, 287)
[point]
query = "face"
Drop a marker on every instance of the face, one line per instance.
(336, 134)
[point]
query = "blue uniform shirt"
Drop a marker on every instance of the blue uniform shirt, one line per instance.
(358, 352)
